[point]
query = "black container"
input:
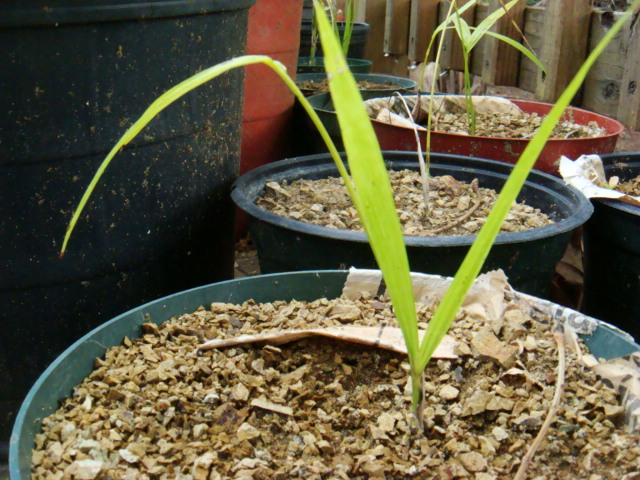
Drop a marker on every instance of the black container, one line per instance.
(359, 37)
(528, 258)
(612, 253)
(75, 74)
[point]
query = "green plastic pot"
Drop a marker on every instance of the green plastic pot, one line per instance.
(72, 366)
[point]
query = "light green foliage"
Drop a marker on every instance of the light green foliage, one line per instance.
(469, 38)
(332, 10)
(370, 189)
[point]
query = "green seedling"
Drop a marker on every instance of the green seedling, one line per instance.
(469, 38)
(332, 9)
(370, 189)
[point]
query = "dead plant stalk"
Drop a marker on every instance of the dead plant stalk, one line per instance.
(526, 460)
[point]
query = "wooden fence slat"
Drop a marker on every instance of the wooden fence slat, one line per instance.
(423, 21)
(564, 45)
(602, 85)
(477, 54)
(396, 27)
(392, 64)
(500, 60)
(451, 56)
(629, 109)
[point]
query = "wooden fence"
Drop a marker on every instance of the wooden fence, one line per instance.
(562, 34)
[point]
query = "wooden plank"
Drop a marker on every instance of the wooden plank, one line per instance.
(501, 61)
(423, 20)
(374, 51)
(602, 85)
(451, 56)
(533, 23)
(396, 27)
(629, 109)
(477, 54)
(564, 45)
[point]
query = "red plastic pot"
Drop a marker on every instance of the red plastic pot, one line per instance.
(274, 30)
(393, 137)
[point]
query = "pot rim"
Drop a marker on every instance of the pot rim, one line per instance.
(246, 201)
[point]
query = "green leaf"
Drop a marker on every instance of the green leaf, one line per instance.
(487, 23)
(524, 50)
(178, 91)
(480, 248)
(373, 189)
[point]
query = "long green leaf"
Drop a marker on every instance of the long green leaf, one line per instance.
(478, 252)
(524, 50)
(373, 189)
(487, 23)
(181, 89)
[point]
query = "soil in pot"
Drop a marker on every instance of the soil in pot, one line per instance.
(630, 187)
(312, 87)
(318, 408)
(511, 122)
(456, 208)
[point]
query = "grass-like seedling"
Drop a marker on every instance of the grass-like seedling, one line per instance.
(469, 38)
(368, 184)
(332, 10)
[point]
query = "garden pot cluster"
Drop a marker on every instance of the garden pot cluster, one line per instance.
(163, 223)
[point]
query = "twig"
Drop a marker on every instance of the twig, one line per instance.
(557, 396)
(424, 171)
(464, 217)
(459, 220)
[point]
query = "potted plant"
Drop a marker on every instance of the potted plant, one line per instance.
(68, 76)
(376, 208)
(501, 136)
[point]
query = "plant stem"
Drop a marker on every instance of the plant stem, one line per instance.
(471, 109)
(417, 396)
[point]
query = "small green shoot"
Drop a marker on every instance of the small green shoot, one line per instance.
(469, 38)
(331, 8)
(370, 189)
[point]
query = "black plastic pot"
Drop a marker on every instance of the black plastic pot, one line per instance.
(612, 253)
(359, 37)
(528, 258)
(75, 75)
(70, 368)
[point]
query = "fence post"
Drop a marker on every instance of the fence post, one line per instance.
(451, 56)
(500, 60)
(629, 106)
(422, 22)
(565, 37)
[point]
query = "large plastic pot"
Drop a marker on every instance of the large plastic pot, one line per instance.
(393, 137)
(612, 253)
(274, 30)
(357, 46)
(528, 258)
(70, 368)
(76, 74)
